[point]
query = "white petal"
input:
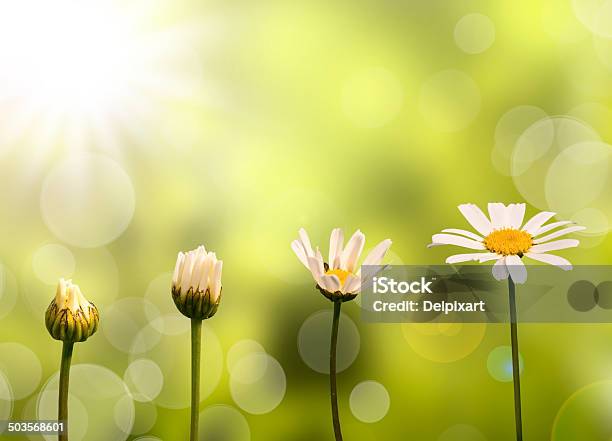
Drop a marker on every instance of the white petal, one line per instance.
(551, 259)
(298, 249)
(305, 241)
(60, 294)
(481, 257)
(72, 300)
(83, 302)
(490, 256)
(207, 265)
(449, 239)
(201, 251)
(352, 251)
(516, 268)
(316, 268)
(515, 215)
(352, 284)
(197, 270)
(497, 213)
(375, 256)
(555, 245)
(336, 242)
(177, 268)
(534, 224)
(559, 233)
(476, 218)
(320, 262)
(215, 288)
(463, 233)
(187, 269)
(549, 227)
(500, 271)
(330, 283)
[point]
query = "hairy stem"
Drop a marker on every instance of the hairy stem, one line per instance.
(332, 372)
(516, 375)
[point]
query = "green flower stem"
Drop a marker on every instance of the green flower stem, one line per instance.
(332, 372)
(196, 345)
(62, 404)
(516, 374)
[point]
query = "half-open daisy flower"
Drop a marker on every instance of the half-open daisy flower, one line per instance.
(340, 277)
(504, 238)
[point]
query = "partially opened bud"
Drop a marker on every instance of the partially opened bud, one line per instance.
(196, 284)
(70, 316)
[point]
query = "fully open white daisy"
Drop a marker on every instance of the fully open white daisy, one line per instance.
(340, 277)
(504, 238)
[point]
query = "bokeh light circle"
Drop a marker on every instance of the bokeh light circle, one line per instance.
(585, 415)
(582, 295)
(222, 422)
(462, 432)
(171, 352)
(449, 100)
(537, 148)
(603, 20)
(499, 363)
(28, 413)
(159, 293)
(78, 190)
(595, 221)
(560, 22)
(144, 378)
(79, 416)
(8, 291)
(145, 417)
(262, 391)
(369, 401)
(22, 368)
(6, 401)
(372, 97)
(587, 12)
(52, 261)
(314, 342)
(241, 349)
(604, 294)
(100, 404)
(124, 320)
(443, 343)
(578, 176)
(508, 130)
(474, 33)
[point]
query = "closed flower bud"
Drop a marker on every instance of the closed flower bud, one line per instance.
(196, 284)
(70, 316)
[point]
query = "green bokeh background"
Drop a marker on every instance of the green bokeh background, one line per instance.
(288, 134)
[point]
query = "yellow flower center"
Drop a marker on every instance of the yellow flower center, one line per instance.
(341, 274)
(508, 241)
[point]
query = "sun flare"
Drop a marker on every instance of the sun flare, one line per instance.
(82, 73)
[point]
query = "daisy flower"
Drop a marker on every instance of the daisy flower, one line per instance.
(196, 283)
(502, 237)
(340, 277)
(196, 291)
(339, 280)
